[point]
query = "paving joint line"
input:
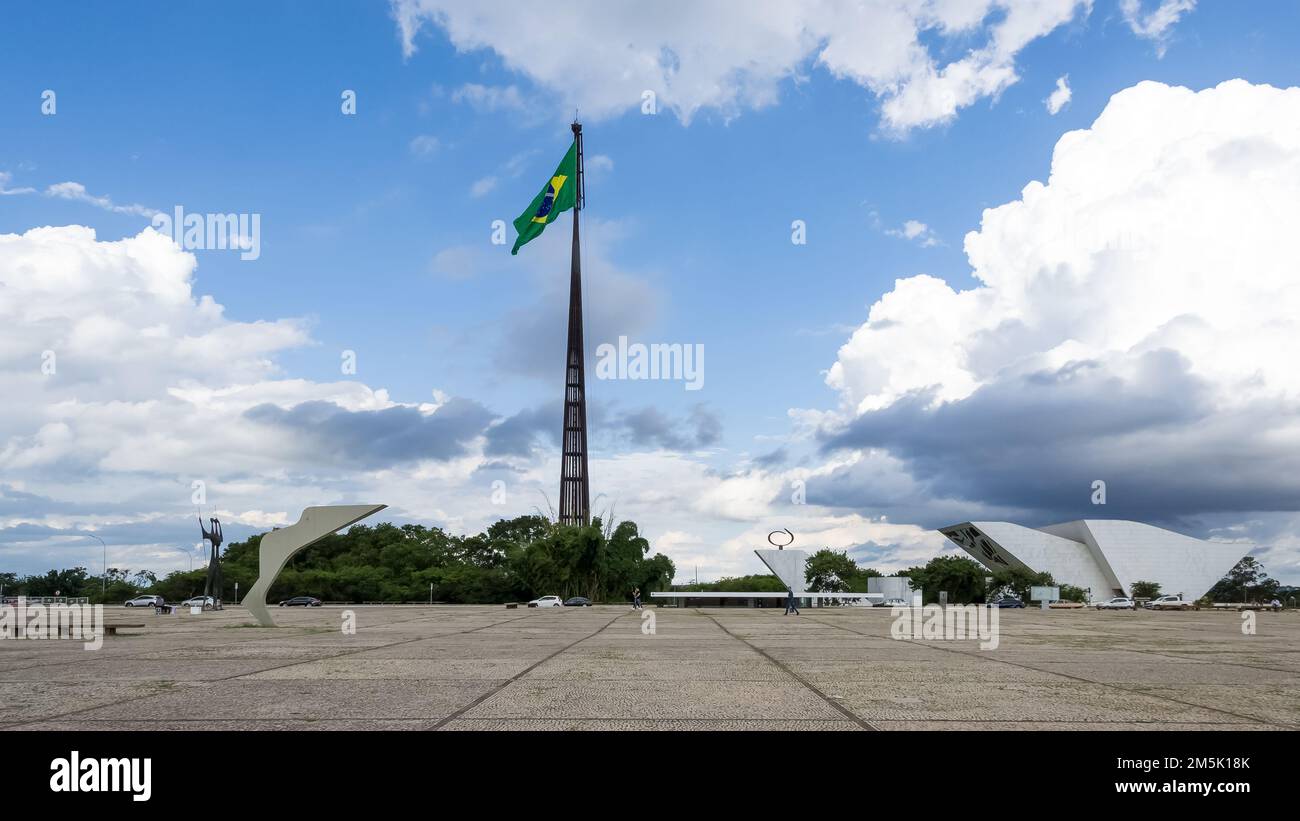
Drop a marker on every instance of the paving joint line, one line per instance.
(845, 711)
(59, 716)
(1131, 691)
(445, 720)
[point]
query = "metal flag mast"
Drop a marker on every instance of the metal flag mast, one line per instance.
(575, 494)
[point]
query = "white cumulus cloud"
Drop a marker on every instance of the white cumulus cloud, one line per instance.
(602, 56)
(77, 192)
(1132, 319)
(915, 231)
(1155, 24)
(1060, 96)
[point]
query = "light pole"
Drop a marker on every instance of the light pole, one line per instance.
(103, 587)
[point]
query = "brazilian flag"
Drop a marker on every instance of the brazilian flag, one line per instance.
(556, 197)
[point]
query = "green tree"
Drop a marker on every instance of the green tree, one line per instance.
(962, 578)
(1071, 593)
(1017, 581)
(1245, 582)
(71, 582)
(513, 559)
(829, 571)
(1145, 590)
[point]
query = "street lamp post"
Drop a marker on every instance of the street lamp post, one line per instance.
(103, 587)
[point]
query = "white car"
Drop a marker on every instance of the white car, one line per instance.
(1169, 603)
(199, 601)
(895, 603)
(145, 601)
(1117, 603)
(547, 601)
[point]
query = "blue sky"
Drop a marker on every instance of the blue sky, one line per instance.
(373, 239)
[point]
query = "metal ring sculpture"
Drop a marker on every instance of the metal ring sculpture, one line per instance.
(780, 545)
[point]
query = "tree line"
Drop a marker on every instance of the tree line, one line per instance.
(530, 556)
(969, 582)
(513, 560)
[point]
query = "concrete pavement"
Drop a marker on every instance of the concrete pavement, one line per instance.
(485, 667)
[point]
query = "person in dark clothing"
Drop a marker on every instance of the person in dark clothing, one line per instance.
(789, 604)
(636, 598)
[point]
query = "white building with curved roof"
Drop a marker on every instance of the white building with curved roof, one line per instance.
(1104, 555)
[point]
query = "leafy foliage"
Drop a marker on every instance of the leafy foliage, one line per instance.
(513, 559)
(1145, 590)
(1245, 582)
(962, 578)
(830, 572)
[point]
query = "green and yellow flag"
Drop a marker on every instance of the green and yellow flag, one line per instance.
(556, 197)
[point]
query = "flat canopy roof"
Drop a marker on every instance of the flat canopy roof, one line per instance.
(706, 594)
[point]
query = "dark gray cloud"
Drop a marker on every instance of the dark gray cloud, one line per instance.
(651, 427)
(379, 438)
(774, 459)
(1036, 443)
(517, 435)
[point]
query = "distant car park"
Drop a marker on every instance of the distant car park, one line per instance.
(301, 601)
(577, 601)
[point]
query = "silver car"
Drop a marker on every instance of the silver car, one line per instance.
(1117, 603)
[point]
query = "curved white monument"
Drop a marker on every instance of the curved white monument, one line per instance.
(277, 546)
(1106, 555)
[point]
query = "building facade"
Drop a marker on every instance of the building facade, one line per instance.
(1105, 556)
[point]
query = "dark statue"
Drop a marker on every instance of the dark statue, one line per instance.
(212, 587)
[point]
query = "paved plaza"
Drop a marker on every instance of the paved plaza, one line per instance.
(491, 668)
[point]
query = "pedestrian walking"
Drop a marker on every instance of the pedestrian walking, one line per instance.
(789, 604)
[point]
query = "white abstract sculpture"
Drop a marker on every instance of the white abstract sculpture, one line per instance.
(790, 566)
(277, 546)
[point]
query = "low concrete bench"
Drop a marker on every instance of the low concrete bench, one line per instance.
(111, 629)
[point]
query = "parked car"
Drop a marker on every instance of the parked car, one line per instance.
(1117, 603)
(578, 601)
(146, 601)
(1169, 603)
(894, 603)
(301, 601)
(1006, 601)
(546, 601)
(199, 601)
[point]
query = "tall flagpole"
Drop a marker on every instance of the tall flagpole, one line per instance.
(575, 499)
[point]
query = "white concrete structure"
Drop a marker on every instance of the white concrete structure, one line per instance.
(280, 544)
(1104, 555)
(791, 567)
(891, 587)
